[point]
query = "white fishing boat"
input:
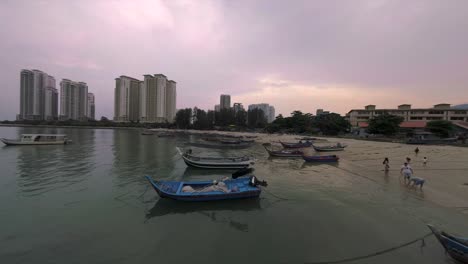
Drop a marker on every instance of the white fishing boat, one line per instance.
(38, 139)
(216, 162)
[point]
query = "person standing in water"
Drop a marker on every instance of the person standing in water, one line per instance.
(406, 171)
(424, 161)
(386, 164)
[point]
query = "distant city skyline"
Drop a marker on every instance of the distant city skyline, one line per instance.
(353, 54)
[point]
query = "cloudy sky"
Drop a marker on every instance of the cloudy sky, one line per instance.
(304, 55)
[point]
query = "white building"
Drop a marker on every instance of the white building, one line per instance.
(171, 100)
(73, 100)
(268, 111)
(91, 113)
(158, 99)
(38, 96)
(437, 112)
(126, 99)
(225, 101)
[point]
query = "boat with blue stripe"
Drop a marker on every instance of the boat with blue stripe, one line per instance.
(456, 247)
(198, 191)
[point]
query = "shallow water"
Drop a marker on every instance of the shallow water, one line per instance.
(88, 203)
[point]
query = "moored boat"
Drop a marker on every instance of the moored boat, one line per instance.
(286, 153)
(328, 158)
(300, 144)
(216, 145)
(216, 162)
(147, 133)
(456, 247)
(166, 135)
(337, 147)
(199, 191)
(38, 139)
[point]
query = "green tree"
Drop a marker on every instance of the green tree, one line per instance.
(201, 120)
(331, 124)
(385, 124)
(256, 118)
(442, 128)
(183, 117)
(241, 118)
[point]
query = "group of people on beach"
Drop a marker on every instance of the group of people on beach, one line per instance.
(407, 171)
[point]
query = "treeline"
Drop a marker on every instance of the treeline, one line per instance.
(300, 123)
(224, 119)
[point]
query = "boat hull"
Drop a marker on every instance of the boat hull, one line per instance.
(168, 190)
(296, 145)
(205, 165)
(456, 249)
(327, 149)
(332, 158)
(283, 153)
(10, 142)
(221, 146)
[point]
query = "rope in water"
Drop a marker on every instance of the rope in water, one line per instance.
(375, 253)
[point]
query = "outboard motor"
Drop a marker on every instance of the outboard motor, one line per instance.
(255, 182)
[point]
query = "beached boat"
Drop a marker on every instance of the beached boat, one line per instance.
(215, 162)
(337, 147)
(251, 136)
(300, 144)
(166, 135)
(220, 145)
(456, 247)
(198, 191)
(38, 139)
(147, 133)
(307, 138)
(229, 141)
(286, 153)
(328, 158)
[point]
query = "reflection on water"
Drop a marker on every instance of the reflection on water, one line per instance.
(212, 210)
(49, 167)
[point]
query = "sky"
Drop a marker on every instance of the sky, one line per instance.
(295, 55)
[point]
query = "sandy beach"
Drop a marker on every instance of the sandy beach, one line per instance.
(446, 172)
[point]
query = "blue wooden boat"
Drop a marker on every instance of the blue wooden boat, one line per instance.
(300, 144)
(328, 158)
(198, 191)
(456, 247)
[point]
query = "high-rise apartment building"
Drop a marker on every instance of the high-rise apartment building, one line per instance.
(91, 107)
(225, 101)
(171, 95)
(217, 108)
(271, 114)
(237, 107)
(38, 96)
(268, 111)
(151, 100)
(73, 100)
(127, 99)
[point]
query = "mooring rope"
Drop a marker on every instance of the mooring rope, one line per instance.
(381, 252)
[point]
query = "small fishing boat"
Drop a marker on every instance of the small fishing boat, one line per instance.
(456, 247)
(300, 144)
(286, 153)
(38, 139)
(251, 136)
(247, 140)
(166, 135)
(147, 133)
(307, 138)
(215, 162)
(337, 147)
(229, 141)
(199, 191)
(216, 145)
(329, 158)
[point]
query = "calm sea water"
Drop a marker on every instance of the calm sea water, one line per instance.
(88, 203)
